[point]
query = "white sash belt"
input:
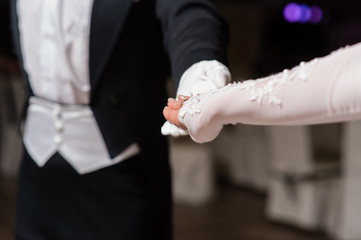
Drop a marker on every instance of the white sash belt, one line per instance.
(70, 130)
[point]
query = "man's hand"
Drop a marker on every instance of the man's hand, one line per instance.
(203, 77)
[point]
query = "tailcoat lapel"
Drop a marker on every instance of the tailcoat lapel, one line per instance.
(107, 20)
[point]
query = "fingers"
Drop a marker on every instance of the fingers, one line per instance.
(173, 126)
(177, 104)
(172, 115)
(174, 104)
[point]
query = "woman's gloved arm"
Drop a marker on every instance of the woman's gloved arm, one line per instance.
(323, 90)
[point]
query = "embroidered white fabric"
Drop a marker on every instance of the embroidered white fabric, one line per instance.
(324, 90)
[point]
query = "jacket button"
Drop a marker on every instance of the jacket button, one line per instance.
(113, 100)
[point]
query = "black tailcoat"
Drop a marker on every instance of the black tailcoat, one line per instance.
(135, 46)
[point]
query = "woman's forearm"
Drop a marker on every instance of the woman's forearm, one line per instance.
(324, 90)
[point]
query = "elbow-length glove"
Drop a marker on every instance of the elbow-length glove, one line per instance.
(324, 90)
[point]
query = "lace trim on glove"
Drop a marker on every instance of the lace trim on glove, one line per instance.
(257, 93)
(300, 72)
(259, 89)
(190, 106)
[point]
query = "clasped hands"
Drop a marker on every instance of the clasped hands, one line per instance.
(200, 78)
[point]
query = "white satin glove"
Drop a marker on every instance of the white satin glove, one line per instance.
(201, 77)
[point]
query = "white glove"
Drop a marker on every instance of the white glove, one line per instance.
(173, 130)
(201, 77)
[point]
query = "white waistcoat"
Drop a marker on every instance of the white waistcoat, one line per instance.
(54, 36)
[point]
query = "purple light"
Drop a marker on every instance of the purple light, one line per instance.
(316, 14)
(302, 13)
(305, 13)
(292, 12)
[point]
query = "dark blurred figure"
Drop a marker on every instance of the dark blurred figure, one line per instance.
(7, 54)
(11, 99)
(92, 168)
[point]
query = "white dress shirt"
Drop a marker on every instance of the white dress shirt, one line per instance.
(54, 37)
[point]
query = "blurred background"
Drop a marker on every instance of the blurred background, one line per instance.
(252, 182)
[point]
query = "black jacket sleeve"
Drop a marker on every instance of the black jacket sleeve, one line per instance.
(193, 31)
